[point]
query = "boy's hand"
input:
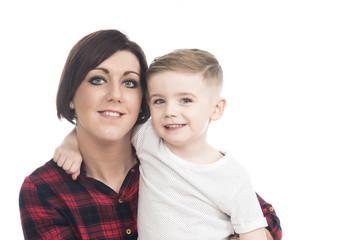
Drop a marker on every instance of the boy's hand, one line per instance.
(68, 156)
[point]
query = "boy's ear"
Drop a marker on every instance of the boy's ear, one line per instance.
(218, 110)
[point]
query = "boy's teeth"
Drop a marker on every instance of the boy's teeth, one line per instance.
(174, 126)
(113, 114)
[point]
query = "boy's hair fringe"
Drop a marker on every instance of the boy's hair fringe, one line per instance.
(188, 61)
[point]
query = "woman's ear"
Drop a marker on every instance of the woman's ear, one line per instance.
(218, 109)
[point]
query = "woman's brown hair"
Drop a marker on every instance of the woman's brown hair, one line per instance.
(87, 54)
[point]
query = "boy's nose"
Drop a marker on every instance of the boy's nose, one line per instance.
(170, 110)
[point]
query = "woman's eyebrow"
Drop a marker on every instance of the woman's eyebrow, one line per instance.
(103, 69)
(128, 72)
(108, 72)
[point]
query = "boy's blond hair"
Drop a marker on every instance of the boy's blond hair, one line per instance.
(189, 61)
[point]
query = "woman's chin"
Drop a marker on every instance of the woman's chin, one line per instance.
(114, 135)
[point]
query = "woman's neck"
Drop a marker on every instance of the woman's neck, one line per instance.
(108, 162)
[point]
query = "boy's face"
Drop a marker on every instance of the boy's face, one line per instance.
(181, 107)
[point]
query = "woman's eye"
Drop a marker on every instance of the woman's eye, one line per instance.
(97, 81)
(186, 100)
(130, 83)
(158, 101)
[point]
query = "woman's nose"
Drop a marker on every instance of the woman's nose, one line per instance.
(114, 93)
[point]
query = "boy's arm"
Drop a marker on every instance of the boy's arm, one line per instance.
(68, 156)
(268, 234)
(237, 236)
(273, 231)
(257, 234)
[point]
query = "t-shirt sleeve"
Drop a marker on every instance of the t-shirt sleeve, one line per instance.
(246, 213)
(139, 133)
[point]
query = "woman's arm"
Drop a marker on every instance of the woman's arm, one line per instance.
(39, 219)
(274, 230)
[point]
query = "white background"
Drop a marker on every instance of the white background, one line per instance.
(294, 73)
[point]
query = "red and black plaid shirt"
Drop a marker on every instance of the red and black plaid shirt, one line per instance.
(53, 206)
(274, 225)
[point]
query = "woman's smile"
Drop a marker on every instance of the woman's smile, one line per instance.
(111, 114)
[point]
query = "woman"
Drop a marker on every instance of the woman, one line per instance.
(102, 89)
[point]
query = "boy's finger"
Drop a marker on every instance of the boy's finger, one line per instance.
(75, 175)
(67, 164)
(74, 168)
(56, 156)
(61, 161)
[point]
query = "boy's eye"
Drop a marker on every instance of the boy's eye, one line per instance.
(186, 100)
(97, 81)
(130, 83)
(158, 101)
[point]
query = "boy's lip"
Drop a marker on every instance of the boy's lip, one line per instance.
(174, 126)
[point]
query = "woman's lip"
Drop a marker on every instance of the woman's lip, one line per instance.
(111, 114)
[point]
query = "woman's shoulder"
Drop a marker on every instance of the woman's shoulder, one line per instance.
(47, 187)
(48, 174)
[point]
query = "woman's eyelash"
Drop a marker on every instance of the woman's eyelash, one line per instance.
(130, 83)
(126, 83)
(96, 80)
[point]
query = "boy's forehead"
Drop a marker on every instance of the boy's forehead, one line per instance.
(180, 83)
(174, 76)
(168, 81)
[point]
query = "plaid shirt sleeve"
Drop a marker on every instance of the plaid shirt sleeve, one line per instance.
(270, 215)
(39, 219)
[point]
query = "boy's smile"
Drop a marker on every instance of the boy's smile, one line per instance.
(174, 126)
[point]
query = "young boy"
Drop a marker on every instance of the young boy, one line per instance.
(188, 189)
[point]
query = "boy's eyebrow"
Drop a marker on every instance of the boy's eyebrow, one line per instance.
(108, 72)
(155, 95)
(187, 93)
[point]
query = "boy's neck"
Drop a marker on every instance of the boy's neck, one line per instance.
(196, 153)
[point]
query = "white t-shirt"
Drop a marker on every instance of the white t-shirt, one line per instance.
(183, 200)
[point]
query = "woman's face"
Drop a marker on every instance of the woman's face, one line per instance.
(107, 103)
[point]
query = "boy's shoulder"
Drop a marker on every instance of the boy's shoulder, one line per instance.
(232, 160)
(144, 133)
(142, 127)
(234, 167)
